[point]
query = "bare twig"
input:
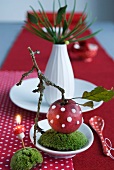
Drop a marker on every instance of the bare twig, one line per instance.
(40, 87)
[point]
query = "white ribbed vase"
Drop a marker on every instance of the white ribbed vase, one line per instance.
(59, 71)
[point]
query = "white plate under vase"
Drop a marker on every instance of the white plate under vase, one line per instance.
(23, 96)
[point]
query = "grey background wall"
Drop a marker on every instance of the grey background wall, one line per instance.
(15, 10)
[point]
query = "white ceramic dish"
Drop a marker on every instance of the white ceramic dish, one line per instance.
(23, 96)
(62, 154)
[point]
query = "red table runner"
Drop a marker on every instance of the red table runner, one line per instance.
(9, 143)
(100, 72)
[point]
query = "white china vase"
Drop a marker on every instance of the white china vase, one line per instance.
(59, 71)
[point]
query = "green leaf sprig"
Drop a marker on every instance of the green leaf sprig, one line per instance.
(37, 21)
(97, 94)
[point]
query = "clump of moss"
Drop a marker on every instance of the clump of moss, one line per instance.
(25, 159)
(62, 142)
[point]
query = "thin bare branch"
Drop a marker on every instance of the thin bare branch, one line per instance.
(40, 87)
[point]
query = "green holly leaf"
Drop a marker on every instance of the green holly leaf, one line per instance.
(32, 18)
(60, 14)
(88, 104)
(99, 94)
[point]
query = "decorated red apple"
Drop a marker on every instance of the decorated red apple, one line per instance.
(65, 117)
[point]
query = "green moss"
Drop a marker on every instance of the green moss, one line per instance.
(25, 159)
(62, 142)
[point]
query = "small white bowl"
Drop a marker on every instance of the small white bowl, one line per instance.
(62, 154)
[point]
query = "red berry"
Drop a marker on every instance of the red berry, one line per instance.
(64, 117)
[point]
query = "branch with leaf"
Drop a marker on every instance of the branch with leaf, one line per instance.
(97, 94)
(39, 20)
